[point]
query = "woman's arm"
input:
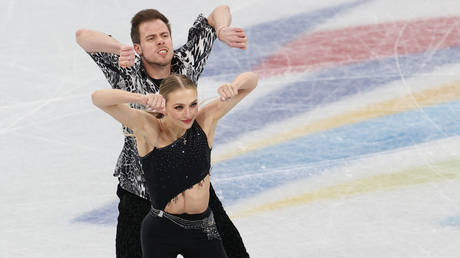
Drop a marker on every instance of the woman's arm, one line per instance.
(115, 103)
(229, 96)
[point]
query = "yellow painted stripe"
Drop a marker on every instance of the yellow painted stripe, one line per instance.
(442, 94)
(415, 176)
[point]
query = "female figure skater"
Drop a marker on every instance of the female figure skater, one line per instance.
(174, 142)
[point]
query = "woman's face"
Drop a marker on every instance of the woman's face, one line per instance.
(182, 107)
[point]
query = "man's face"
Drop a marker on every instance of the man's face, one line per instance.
(155, 43)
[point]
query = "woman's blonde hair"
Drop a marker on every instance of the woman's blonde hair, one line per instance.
(174, 82)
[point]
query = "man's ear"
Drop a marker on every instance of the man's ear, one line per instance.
(137, 48)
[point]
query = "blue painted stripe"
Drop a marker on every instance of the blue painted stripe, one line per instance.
(258, 171)
(106, 215)
(453, 221)
(328, 86)
(265, 38)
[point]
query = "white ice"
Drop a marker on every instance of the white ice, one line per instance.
(58, 151)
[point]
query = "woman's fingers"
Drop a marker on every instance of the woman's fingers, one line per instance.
(155, 102)
(227, 91)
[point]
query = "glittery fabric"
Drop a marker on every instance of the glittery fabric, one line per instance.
(206, 225)
(172, 169)
(191, 235)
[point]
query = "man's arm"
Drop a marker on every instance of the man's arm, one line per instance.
(220, 19)
(94, 41)
(220, 16)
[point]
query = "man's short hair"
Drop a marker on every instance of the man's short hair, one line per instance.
(143, 16)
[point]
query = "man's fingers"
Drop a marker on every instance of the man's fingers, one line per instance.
(125, 48)
(238, 45)
(126, 54)
(240, 40)
(237, 29)
(240, 34)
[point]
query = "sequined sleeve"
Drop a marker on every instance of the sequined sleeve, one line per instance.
(194, 54)
(117, 77)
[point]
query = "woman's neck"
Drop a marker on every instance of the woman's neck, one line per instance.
(172, 132)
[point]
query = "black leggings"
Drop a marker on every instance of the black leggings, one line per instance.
(163, 238)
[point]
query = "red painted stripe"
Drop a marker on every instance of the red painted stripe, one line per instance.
(351, 45)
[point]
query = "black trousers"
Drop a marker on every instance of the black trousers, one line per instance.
(132, 210)
(165, 237)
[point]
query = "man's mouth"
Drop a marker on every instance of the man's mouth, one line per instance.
(163, 52)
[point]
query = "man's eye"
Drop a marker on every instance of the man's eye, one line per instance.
(194, 104)
(178, 108)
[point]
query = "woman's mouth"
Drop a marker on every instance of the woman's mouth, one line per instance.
(187, 121)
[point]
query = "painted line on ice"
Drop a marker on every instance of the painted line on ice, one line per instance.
(447, 170)
(453, 221)
(444, 93)
(328, 86)
(362, 43)
(314, 154)
(267, 37)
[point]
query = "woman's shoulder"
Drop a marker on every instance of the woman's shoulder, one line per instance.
(148, 124)
(204, 120)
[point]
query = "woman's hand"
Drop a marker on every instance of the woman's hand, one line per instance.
(154, 103)
(227, 91)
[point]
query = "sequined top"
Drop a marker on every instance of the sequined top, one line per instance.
(172, 169)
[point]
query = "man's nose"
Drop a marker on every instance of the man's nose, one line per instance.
(160, 41)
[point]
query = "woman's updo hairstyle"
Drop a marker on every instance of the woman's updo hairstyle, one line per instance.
(172, 83)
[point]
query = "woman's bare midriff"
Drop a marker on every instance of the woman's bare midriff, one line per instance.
(192, 201)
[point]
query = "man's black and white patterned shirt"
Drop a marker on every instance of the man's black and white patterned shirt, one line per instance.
(188, 60)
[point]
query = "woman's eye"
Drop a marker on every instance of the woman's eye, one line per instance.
(178, 108)
(194, 104)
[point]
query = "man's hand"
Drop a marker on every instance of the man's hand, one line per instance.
(127, 56)
(233, 37)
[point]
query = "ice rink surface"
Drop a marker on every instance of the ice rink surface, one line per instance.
(349, 147)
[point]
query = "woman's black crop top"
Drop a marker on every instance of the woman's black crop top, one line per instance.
(172, 169)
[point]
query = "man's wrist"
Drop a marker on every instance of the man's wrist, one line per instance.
(220, 29)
